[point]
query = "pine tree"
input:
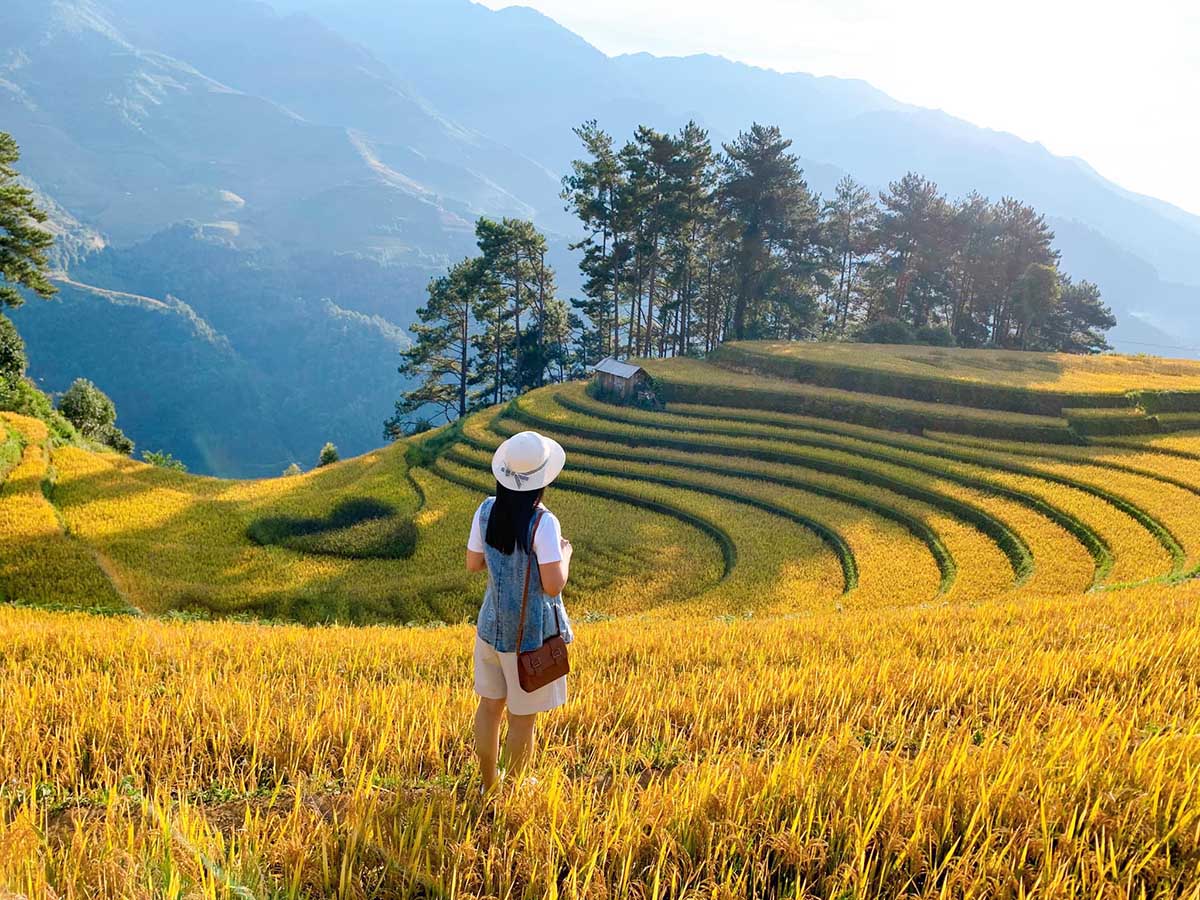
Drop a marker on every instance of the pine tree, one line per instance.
(1080, 319)
(850, 224)
(685, 249)
(509, 248)
(773, 222)
(694, 176)
(973, 268)
(494, 339)
(1024, 239)
(552, 329)
(591, 192)
(440, 356)
(649, 198)
(1034, 303)
(514, 258)
(23, 244)
(914, 237)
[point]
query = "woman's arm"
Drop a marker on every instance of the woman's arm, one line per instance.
(476, 559)
(555, 574)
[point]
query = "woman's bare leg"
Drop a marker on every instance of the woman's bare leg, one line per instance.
(487, 739)
(518, 745)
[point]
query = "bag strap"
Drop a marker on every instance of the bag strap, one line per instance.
(528, 570)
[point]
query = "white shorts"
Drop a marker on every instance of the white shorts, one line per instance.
(496, 678)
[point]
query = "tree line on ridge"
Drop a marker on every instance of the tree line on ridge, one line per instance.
(686, 246)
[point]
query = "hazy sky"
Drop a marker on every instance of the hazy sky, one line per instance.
(1117, 84)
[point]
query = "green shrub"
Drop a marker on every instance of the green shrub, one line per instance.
(423, 450)
(25, 399)
(887, 331)
(10, 450)
(291, 471)
(12, 353)
(163, 460)
(87, 407)
(113, 437)
(1101, 422)
(1166, 401)
(329, 455)
(935, 336)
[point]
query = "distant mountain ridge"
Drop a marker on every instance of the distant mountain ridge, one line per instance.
(529, 50)
(240, 113)
(293, 171)
(524, 80)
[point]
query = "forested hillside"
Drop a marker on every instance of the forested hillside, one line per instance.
(296, 180)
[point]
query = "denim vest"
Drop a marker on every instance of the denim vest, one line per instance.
(501, 611)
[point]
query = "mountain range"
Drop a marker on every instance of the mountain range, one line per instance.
(251, 196)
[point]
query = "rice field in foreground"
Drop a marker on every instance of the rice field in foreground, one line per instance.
(816, 658)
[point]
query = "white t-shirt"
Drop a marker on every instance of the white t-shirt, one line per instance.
(547, 540)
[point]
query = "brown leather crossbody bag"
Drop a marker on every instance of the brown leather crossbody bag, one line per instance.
(537, 668)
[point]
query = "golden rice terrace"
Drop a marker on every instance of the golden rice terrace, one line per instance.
(854, 622)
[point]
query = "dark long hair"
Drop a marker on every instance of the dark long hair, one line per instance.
(508, 524)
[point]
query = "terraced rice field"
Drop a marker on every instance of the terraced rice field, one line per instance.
(1035, 373)
(1178, 446)
(819, 655)
(39, 562)
(177, 543)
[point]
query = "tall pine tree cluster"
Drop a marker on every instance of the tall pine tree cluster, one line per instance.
(493, 327)
(685, 247)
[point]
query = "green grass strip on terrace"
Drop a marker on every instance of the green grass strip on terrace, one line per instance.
(828, 536)
(722, 465)
(937, 448)
(1090, 421)
(1080, 456)
(692, 381)
(997, 379)
(884, 442)
(1134, 443)
(699, 439)
(714, 531)
(12, 445)
(1178, 421)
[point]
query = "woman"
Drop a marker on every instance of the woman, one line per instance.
(505, 530)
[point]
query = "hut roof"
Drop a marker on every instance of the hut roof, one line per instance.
(615, 367)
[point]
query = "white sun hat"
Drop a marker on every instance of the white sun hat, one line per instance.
(528, 461)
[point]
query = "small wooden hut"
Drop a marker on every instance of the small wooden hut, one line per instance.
(619, 379)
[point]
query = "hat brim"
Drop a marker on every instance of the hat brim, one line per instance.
(556, 458)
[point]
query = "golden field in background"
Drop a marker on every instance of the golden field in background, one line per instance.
(1110, 373)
